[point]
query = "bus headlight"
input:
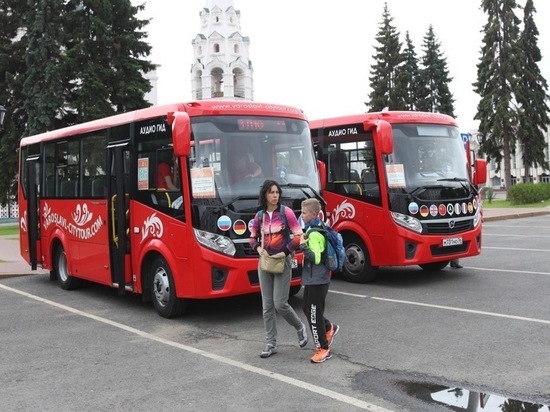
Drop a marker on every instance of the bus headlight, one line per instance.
(215, 242)
(477, 217)
(407, 222)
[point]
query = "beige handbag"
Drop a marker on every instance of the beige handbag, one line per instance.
(271, 264)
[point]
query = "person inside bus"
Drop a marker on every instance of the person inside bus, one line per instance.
(165, 179)
(243, 166)
(297, 164)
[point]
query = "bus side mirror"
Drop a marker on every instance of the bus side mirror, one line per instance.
(181, 133)
(382, 135)
(322, 169)
(480, 172)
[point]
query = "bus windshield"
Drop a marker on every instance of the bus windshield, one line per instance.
(233, 155)
(428, 162)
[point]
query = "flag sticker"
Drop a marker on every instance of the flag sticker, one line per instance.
(224, 223)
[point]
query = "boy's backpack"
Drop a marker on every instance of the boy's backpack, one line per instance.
(335, 253)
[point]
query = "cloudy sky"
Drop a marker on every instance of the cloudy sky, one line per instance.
(317, 55)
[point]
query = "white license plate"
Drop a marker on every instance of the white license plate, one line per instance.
(294, 263)
(453, 241)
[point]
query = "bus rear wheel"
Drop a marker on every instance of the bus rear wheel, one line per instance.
(163, 291)
(432, 267)
(357, 267)
(61, 270)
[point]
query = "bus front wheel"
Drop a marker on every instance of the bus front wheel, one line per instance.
(61, 270)
(357, 267)
(163, 291)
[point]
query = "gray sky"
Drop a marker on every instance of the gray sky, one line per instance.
(317, 55)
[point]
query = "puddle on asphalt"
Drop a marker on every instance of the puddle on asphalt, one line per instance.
(459, 399)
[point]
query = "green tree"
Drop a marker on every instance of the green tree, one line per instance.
(497, 80)
(67, 61)
(434, 79)
(388, 62)
(532, 91)
(13, 43)
(105, 59)
(407, 78)
(43, 86)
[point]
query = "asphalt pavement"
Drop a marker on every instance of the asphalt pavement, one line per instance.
(12, 264)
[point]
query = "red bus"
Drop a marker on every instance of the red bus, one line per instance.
(92, 207)
(398, 188)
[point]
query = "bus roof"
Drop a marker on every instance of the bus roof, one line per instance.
(389, 116)
(194, 108)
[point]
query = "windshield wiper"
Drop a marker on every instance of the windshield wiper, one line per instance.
(467, 187)
(302, 187)
(421, 189)
(453, 179)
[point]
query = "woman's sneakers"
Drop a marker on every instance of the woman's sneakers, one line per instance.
(334, 329)
(302, 336)
(269, 350)
(321, 355)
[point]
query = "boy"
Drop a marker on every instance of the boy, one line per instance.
(316, 281)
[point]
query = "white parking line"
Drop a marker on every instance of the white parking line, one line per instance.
(516, 248)
(266, 373)
(534, 235)
(477, 312)
(509, 271)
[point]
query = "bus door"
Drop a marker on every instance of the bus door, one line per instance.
(118, 167)
(33, 230)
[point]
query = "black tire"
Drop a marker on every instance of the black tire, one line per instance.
(294, 290)
(357, 267)
(432, 267)
(163, 291)
(61, 271)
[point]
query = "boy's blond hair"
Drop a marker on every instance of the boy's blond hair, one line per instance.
(312, 205)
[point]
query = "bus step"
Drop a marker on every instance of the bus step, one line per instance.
(128, 287)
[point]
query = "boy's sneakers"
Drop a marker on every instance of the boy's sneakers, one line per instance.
(333, 331)
(269, 350)
(321, 355)
(302, 336)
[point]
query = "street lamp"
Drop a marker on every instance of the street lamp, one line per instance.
(2, 117)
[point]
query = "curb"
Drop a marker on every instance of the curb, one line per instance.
(515, 215)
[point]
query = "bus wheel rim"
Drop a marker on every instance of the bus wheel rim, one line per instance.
(62, 265)
(161, 285)
(355, 260)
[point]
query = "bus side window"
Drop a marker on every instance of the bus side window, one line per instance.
(98, 186)
(338, 163)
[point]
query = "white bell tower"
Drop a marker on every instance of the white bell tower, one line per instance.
(221, 68)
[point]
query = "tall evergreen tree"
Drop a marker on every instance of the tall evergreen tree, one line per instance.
(497, 79)
(43, 86)
(434, 78)
(67, 61)
(384, 72)
(13, 43)
(105, 57)
(532, 93)
(408, 76)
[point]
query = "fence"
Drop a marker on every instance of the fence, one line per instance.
(9, 213)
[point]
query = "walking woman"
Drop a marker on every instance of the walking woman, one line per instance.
(276, 223)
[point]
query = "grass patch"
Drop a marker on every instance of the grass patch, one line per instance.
(500, 203)
(9, 230)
